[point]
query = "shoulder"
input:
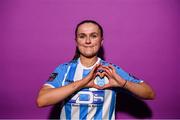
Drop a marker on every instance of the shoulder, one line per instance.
(66, 64)
(103, 62)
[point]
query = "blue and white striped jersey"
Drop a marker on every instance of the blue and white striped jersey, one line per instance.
(87, 103)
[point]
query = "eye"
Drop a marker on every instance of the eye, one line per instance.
(94, 35)
(82, 36)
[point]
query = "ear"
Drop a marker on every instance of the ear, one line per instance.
(75, 41)
(102, 40)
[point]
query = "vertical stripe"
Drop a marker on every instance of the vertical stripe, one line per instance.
(68, 111)
(70, 77)
(63, 82)
(98, 114)
(83, 112)
(71, 73)
(107, 102)
(75, 109)
(83, 107)
(85, 72)
(63, 115)
(75, 112)
(78, 73)
(112, 106)
(91, 113)
(113, 115)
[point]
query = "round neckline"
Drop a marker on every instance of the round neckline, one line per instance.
(79, 61)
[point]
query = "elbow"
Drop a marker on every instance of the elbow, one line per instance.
(150, 96)
(149, 93)
(40, 103)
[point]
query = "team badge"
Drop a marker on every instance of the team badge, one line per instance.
(52, 76)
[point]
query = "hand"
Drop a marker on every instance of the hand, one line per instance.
(114, 79)
(90, 78)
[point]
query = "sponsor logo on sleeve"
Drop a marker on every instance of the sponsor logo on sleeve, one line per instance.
(52, 76)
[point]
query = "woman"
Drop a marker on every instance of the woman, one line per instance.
(86, 84)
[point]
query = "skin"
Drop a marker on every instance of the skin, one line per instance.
(88, 42)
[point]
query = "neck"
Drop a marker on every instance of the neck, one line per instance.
(88, 62)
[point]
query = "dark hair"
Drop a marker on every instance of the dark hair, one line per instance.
(101, 50)
(89, 21)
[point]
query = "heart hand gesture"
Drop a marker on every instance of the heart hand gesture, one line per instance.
(114, 79)
(91, 77)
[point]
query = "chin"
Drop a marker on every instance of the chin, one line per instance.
(89, 55)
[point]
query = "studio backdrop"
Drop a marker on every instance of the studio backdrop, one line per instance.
(141, 36)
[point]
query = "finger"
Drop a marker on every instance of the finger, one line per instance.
(100, 74)
(97, 74)
(107, 75)
(96, 86)
(91, 74)
(100, 68)
(107, 68)
(94, 68)
(106, 86)
(108, 71)
(112, 68)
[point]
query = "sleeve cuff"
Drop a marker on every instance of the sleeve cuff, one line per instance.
(49, 85)
(141, 81)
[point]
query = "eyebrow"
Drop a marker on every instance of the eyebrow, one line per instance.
(81, 34)
(85, 34)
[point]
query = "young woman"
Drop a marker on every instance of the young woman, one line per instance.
(86, 84)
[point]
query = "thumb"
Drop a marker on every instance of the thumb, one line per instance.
(91, 74)
(95, 68)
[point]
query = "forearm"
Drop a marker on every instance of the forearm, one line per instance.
(49, 96)
(142, 90)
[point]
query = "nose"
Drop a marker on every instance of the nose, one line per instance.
(88, 40)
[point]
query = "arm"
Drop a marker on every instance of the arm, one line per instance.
(142, 89)
(49, 96)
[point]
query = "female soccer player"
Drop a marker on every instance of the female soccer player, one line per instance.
(86, 84)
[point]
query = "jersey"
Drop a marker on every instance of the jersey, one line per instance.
(87, 103)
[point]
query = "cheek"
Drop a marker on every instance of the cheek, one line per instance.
(97, 44)
(79, 44)
(78, 41)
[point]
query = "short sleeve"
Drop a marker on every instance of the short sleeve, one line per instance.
(126, 75)
(57, 76)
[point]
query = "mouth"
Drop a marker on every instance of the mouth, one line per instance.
(89, 46)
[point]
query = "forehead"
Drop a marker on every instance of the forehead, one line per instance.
(88, 28)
